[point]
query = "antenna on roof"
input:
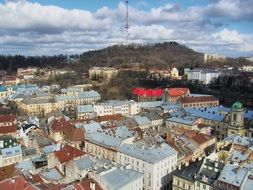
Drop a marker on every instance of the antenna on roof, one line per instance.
(127, 33)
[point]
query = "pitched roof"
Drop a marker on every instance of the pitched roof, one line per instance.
(7, 118)
(7, 172)
(86, 184)
(115, 117)
(201, 138)
(198, 99)
(73, 134)
(8, 129)
(58, 125)
(175, 92)
(16, 183)
(68, 153)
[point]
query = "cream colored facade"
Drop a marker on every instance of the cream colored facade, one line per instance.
(104, 72)
(39, 106)
(182, 184)
(98, 150)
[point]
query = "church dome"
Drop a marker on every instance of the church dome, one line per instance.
(237, 105)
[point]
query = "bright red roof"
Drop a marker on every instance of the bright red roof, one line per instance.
(148, 92)
(159, 92)
(178, 92)
(68, 153)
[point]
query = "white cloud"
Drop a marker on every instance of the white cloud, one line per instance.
(33, 28)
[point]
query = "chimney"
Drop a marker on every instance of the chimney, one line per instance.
(92, 186)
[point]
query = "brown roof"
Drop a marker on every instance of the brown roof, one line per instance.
(8, 129)
(73, 134)
(201, 138)
(16, 183)
(115, 117)
(7, 118)
(57, 125)
(85, 184)
(186, 100)
(7, 172)
(68, 153)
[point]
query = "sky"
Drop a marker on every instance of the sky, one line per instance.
(48, 27)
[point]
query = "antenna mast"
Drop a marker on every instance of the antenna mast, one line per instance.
(127, 24)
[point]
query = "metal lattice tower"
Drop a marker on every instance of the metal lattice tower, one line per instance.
(127, 25)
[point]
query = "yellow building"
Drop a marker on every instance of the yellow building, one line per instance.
(39, 105)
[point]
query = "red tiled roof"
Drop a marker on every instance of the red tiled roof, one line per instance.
(7, 172)
(8, 129)
(173, 92)
(115, 117)
(73, 134)
(148, 92)
(16, 183)
(198, 99)
(68, 153)
(201, 138)
(7, 118)
(57, 125)
(85, 183)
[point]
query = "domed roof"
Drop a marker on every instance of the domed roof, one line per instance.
(237, 105)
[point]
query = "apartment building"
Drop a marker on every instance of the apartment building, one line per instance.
(10, 151)
(112, 107)
(199, 101)
(156, 162)
(204, 76)
(8, 125)
(102, 72)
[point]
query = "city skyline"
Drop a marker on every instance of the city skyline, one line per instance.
(70, 27)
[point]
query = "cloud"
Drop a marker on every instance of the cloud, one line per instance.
(234, 10)
(33, 28)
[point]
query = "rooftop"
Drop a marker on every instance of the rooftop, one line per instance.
(85, 109)
(67, 153)
(119, 178)
(195, 99)
(148, 154)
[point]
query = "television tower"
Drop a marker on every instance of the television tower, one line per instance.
(127, 25)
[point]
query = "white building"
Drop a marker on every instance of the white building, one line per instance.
(248, 68)
(204, 76)
(126, 108)
(155, 162)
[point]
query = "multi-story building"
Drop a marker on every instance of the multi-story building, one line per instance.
(155, 161)
(199, 101)
(8, 125)
(200, 175)
(112, 107)
(213, 57)
(121, 179)
(39, 105)
(73, 98)
(204, 76)
(10, 151)
(84, 111)
(102, 72)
